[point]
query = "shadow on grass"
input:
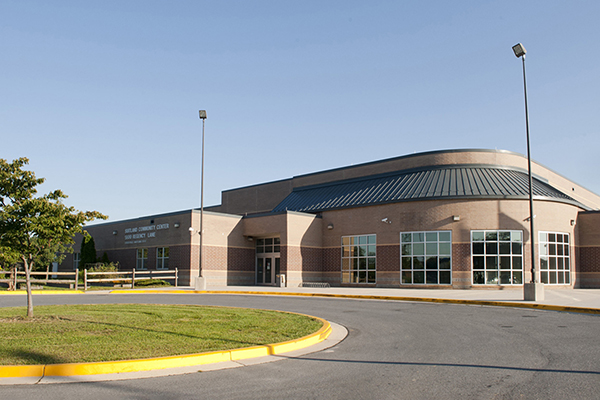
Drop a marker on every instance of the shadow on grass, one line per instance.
(30, 357)
(196, 337)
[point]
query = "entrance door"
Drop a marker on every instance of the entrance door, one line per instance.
(267, 260)
(265, 270)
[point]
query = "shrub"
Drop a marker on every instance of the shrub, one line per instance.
(152, 282)
(88, 250)
(100, 267)
(104, 259)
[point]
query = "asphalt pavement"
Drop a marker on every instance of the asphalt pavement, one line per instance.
(394, 350)
(553, 296)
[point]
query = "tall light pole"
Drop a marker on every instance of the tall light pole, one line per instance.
(532, 290)
(201, 281)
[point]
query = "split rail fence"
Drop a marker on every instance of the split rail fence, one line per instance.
(16, 277)
(127, 277)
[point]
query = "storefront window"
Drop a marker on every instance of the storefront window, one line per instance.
(426, 258)
(359, 259)
(497, 257)
(555, 265)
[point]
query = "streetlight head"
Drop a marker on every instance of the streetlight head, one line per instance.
(519, 50)
(202, 114)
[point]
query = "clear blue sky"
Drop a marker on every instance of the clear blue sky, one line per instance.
(103, 97)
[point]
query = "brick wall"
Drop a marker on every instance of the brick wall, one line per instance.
(388, 259)
(227, 266)
(332, 259)
(589, 259)
(461, 257)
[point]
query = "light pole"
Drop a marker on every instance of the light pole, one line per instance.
(534, 290)
(200, 280)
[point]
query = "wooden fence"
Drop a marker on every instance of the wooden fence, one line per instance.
(16, 277)
(127, 277)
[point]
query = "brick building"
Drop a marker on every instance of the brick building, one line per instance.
(442, 219)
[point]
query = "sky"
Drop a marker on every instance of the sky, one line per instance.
(103, 97)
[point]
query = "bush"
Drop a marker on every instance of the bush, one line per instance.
(104, 259)
(152, 282)
(100, 267)
(88, 250)
(105, 267)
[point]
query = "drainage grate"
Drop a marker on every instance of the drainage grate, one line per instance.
(314, 284)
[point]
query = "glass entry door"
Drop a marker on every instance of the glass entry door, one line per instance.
(267, 261)
(265, 273)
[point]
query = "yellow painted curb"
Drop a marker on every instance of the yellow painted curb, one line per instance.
(548, 307)
(21, 371)
(188, 360)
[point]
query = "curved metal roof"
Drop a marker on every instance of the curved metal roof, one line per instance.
(445, 182)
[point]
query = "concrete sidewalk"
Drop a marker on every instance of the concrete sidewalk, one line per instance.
(585, 298)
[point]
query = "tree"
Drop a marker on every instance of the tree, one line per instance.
(105, 260)
(36, 230)
(88, 250)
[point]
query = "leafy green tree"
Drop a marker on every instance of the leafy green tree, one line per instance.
(88, 250)
(36, 230)
(8, 257)
(105, 260)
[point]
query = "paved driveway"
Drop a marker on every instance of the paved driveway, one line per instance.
(393, 350)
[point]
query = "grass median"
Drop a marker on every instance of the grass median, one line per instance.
(88, 333)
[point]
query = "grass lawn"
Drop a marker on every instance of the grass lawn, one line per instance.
(87, 333)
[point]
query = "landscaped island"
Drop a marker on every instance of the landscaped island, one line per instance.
(88, 333)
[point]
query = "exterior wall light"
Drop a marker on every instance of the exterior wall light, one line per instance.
(115, 232)
(176, 224)
(456, 218)
(330, 226)
(572, 222)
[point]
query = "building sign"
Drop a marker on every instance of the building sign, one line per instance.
(140, 234)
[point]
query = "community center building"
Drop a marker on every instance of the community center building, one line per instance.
(440, 219)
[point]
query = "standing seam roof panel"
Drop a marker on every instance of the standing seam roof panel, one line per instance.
(452, 182)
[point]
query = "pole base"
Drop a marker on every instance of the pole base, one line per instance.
(533, 291)
(200, 283)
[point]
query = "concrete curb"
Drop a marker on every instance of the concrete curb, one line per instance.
(35, 373)
(547, 307)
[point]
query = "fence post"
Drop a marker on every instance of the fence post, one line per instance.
(84, 280)
(132, 278)
(76, 278)
(175, 277)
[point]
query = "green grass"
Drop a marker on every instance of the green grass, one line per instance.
(87, 333)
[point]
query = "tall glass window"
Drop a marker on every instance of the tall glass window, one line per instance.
(426, 257)
(76, 260)
(142, 259)
(555, 265)
(162, 258)
(359, 259)
(497, 257)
